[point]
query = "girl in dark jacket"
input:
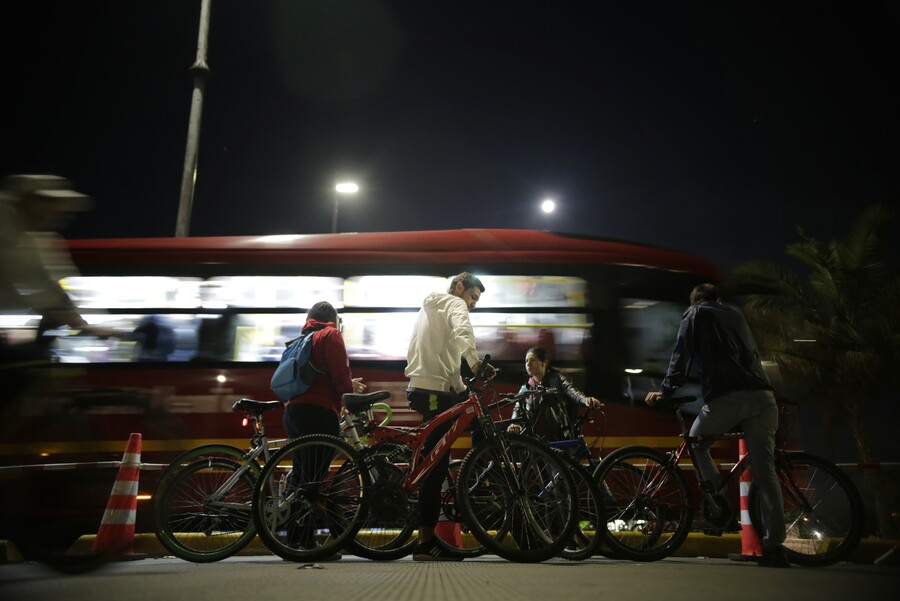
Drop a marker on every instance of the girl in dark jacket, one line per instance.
(550, 414)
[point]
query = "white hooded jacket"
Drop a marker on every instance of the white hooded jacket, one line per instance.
(443, 335)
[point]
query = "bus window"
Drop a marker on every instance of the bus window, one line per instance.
(133, 292)
(650, 328)
(380, 313)
(249, 318)
(272, 291)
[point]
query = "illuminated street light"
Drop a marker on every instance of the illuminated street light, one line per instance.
(340, 189)
(548, 205)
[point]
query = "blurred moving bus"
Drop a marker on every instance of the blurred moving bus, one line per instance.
(202, 321)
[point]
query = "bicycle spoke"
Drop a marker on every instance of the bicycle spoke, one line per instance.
(519, 498)
(310, 498)
(646, 504)
(822, 510)
(203, 513)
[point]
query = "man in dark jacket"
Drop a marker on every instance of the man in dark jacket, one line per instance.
(715, 340)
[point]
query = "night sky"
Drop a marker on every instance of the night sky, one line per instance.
(710, 127)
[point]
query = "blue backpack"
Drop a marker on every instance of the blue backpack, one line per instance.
(295, 372)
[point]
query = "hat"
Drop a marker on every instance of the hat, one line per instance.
(20, 188)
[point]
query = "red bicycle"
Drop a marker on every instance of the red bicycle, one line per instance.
(515, 494)
(650, 511)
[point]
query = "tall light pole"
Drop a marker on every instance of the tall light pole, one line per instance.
(200, 71)
(341, 189)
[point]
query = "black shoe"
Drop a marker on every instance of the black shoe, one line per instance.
(431, 551)
(774, 557)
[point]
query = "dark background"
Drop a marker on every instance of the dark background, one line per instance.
(710, 127)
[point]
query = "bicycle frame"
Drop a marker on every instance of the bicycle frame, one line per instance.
(686, 448)
(463, 413)
(260, 445)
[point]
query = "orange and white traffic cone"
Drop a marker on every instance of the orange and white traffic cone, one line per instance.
(450, 532)
(115, 536)
(751, 548)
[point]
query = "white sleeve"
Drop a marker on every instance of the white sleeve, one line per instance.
(461, 333)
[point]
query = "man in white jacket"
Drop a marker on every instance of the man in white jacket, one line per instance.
(442, 339)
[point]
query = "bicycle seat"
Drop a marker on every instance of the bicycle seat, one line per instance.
(360, 402)
(255, 407)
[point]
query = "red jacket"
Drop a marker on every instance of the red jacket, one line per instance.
(329, 354)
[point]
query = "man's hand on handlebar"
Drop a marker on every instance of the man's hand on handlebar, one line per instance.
(489, 370)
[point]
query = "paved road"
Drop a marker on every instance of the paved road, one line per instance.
(487, 578)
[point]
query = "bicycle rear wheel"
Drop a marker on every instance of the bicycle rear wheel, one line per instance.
(823, 512)
(518, 498)
(311, 513)
(206, 451)
(202, 512)
(387, 532)
(648, 508)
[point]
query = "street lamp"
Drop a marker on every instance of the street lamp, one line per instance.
(339, 189)
(548, 205)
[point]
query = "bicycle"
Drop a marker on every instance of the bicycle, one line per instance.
(201, 506)
(588, 535)
(651, 510)
(391, 536)
(516, 494)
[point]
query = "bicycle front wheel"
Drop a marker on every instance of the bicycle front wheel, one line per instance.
(588, 533)
(203, 513)
(311, 498)
(823, 512)
(648, 509)
(518, 498)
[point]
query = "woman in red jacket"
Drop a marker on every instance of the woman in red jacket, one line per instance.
(318, 410)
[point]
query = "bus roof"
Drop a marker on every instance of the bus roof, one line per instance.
(464, 246)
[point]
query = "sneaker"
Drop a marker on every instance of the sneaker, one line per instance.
(774, 557)
(431, 551)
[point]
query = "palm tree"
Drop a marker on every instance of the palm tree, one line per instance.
(846, 307)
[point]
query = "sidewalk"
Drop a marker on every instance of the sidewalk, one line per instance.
(696, 545)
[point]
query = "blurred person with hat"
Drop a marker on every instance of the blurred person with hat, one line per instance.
(33, 257)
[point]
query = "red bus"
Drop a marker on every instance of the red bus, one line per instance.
(202, 321)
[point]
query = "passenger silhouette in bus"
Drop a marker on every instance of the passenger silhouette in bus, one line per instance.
(155, 339)
(217, 336)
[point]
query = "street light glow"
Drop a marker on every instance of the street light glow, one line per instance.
(548, 206)
(341, 189)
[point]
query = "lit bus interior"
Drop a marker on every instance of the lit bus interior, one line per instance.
(249, 318)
